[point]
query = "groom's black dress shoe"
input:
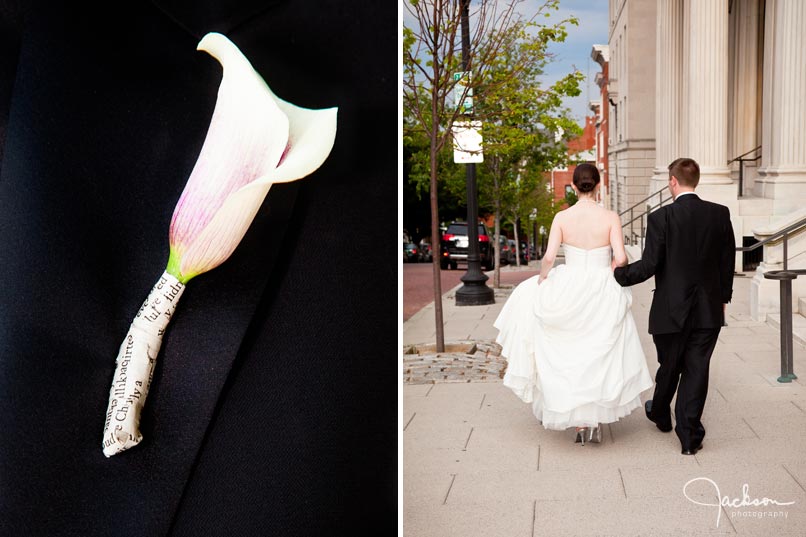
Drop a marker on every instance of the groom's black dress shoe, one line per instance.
(692, 451)
(665, 427)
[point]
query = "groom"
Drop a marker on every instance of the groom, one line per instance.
(690, 250)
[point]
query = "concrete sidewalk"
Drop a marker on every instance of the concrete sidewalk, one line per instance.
(477, 462)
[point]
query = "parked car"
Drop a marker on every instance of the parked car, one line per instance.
(522, 251)
(410, 253)
(525, 257)
(426, 255)
(513, 249)
(454, 246)
(507, 254)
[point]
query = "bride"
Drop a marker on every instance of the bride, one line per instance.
(568, 334)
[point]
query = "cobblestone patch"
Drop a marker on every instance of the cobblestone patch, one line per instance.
(483, 363)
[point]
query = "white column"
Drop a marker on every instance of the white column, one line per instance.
(668, 89)
(782, 177)
(706, 103)
(767, 87)
(707, 99)
(783, 174)
(743, 134)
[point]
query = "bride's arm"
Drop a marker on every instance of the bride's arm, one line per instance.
(553, 246)
(617, 242)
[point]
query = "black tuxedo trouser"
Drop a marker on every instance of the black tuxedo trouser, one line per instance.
(684, 358)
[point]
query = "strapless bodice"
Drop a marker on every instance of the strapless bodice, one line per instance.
(582, 258)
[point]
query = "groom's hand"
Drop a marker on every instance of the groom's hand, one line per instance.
(618, 274)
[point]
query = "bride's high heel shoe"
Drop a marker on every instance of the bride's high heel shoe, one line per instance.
(595, 435)
(581, 432)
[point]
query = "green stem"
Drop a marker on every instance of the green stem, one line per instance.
(173, 268)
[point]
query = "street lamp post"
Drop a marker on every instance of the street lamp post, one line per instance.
(533, 219)
(474, 291)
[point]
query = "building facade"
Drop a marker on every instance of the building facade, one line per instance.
(631, 98)
(728, 79)
(601, 109)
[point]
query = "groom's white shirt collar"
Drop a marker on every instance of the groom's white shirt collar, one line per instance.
(682, 194)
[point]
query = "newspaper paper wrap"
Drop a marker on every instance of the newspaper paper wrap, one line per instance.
(135, 366)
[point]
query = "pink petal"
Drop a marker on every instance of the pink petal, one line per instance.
(246, 139)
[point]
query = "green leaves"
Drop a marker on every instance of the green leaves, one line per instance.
(525, 124)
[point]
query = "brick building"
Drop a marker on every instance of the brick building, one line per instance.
(580, 148)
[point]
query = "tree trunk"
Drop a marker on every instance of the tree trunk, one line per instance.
(497, 270)
(517, 241)
(435, 231)
(435, 247)
(497, 237)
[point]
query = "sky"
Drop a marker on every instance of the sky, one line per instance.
(576, 50)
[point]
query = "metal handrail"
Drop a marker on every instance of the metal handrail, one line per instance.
(741, 160)
(649, 209)
(743, 154)
(642, 201)
(634, 237)
(661, 192)
(785, 276)
(782, 234)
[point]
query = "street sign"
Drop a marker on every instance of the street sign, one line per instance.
(462, 93)
(467, 142)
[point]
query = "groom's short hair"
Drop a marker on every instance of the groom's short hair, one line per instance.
(686, 170)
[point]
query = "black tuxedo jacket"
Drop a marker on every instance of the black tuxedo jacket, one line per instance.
(690, 249)
(273, 405)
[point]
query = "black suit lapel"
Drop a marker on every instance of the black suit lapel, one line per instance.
(199, 17)
(99, 148)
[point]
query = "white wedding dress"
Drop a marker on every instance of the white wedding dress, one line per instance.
(571, 344)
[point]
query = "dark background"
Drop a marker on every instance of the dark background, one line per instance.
(273, 409)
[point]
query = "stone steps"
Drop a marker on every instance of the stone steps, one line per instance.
(633, 253)
(798, 325)
(753, 206)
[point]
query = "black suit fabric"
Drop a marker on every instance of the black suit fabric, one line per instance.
(685, 360)
(690, 250)
(273, 405)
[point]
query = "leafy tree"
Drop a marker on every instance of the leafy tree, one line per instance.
(571, 198)
(526, 126)
(506, 52)
(431, 55)
(417, 170)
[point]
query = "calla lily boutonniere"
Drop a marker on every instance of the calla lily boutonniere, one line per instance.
(255, 140)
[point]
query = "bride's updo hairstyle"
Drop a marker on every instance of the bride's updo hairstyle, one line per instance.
(586, 177)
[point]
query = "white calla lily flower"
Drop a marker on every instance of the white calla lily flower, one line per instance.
(255, 139)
